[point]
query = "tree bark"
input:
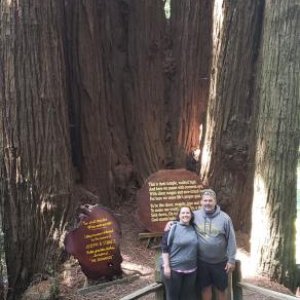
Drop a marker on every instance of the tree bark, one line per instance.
(117, 79)
(190, 32)
(131, 88)
(228, 152)
(122, 67)
(278, 136)
(146, 102)
(97, 67)
(36, 168)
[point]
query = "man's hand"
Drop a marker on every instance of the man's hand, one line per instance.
(229, 267)
(168, 226)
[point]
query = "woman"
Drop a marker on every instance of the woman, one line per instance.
(179, 257)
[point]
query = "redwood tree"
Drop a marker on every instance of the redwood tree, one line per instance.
(36, 172)
(131, 88)
(145, 100)
(278, 137)
(126, 64)
(253, 127)
(189, 64)
(95, 76)
(227, 157)
(116, 55)
(128, 98)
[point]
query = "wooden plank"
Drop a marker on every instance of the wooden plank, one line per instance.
(147, 235)
(266, 292)
(160, 294)
(237, 291)
(93, 288)
(229, 288)
(144, 291)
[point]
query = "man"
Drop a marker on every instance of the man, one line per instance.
(217, 246)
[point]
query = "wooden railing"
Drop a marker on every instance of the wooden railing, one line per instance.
(235, 290)
(238, 285)
(156, 288)
(265, 292)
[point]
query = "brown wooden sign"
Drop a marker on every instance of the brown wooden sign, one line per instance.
(95, 243)
(163, 193)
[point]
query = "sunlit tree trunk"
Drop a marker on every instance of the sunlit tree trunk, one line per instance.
(36, 170)
(226, 163)
(278, 134)
(190, 33)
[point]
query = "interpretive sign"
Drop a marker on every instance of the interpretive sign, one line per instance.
(163, 193)
(95, 243)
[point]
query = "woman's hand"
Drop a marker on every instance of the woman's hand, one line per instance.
(167, 272)
(168, 226)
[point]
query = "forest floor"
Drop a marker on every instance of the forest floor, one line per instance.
(138, 265)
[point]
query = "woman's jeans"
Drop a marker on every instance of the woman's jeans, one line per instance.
(180, 286)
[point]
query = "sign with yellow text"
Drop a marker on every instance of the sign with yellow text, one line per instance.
(163, 193)
(95, 243)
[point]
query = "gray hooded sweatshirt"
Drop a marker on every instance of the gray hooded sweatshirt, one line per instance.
(215, 236)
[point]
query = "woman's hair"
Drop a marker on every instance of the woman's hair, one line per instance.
(192, 214)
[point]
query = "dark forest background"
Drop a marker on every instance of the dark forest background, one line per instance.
(97, 95)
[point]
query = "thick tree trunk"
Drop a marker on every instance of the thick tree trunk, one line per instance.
(92, 149)
(134, 86)
(36, 169)
(97, 67)
(125, 78)
(226, 162)
(278, 135)
(117, 79)
(190, 32)
(146, 102)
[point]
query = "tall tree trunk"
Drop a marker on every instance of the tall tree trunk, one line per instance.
(226, 163)
(36, 169)
(97, 66)
(117, 77)
(278, 136)
(121, 67)
(190, 32)
(146, 102)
